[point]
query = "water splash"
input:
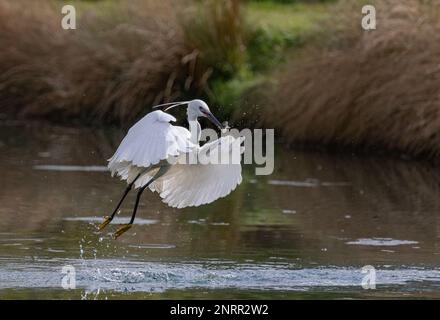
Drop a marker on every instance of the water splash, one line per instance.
(95, 275)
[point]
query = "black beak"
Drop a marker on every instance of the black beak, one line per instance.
(213, 119)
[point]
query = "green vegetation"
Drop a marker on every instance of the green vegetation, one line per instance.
(291, 18)
(270, 30)
(365, 89)
(126, 55)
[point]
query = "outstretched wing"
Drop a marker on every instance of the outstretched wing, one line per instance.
(151, 140)
(196, 184)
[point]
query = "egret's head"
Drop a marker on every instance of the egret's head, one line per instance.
(198, 108)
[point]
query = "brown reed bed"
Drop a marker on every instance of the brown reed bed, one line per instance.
(111, 69)
(371, 89)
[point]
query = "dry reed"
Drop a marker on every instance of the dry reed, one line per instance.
(372, 89)
(112, 68)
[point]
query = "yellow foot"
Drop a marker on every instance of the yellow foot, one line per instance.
(122, 229)
(105, 223)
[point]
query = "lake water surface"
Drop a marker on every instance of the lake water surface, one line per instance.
(306, 231)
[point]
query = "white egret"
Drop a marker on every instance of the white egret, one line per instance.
(149, 155)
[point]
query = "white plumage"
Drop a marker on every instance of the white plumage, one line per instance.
(196, 184)
(152, 140)
(149, 141)
(152, 153)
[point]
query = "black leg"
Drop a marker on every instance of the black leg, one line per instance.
(136, 204)
(127, 226)
(110, 218)
(120, 201)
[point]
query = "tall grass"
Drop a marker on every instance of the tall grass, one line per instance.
(128, 55)
(110, 69)
(216, 29)
(376, 89)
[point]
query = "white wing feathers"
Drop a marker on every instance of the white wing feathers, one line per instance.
(149, 141)
(196, 184)
(153, 139)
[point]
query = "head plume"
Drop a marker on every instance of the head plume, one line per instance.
(170, 105)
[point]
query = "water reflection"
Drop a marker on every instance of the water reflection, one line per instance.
(318, 218)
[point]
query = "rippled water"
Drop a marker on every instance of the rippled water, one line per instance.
(304, 232)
